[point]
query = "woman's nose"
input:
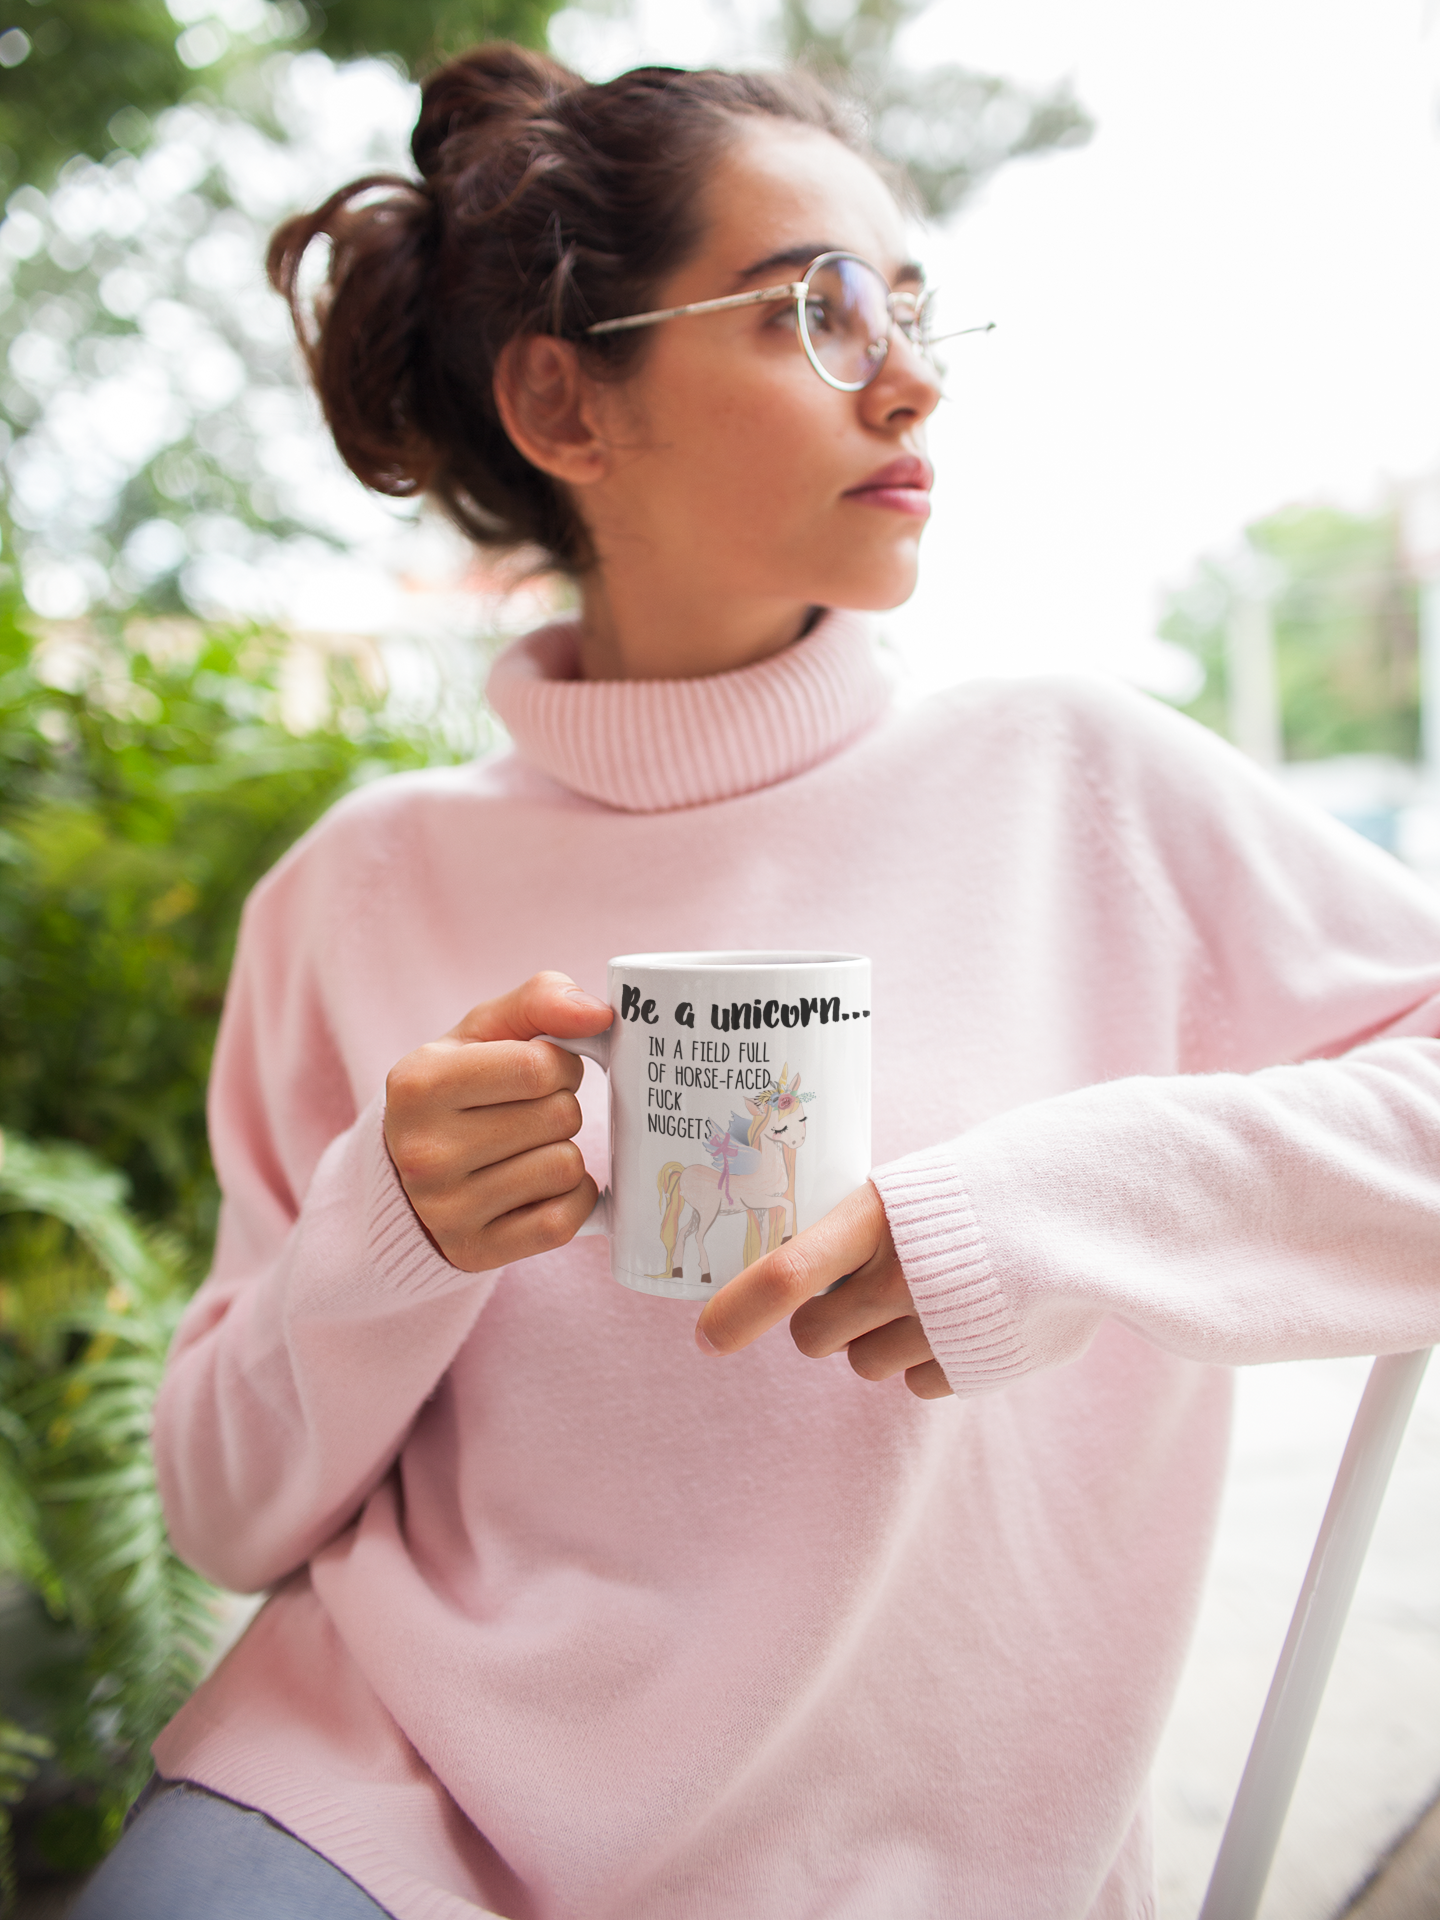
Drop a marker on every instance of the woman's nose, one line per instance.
(906, 384)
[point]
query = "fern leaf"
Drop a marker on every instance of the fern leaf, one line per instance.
(86, 1478)
(20, 1756)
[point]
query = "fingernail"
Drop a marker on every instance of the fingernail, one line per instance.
(705, 1346)
(589, 999)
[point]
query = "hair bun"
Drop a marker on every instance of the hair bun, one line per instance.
(544, 204)
(485, 91)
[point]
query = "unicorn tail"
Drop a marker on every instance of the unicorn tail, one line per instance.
(671, 1203)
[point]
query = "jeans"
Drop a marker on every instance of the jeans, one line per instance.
(189, 1855)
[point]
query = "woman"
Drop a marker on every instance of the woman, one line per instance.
(569, 1617)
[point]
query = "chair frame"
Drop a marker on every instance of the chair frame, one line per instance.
(1262, 1800)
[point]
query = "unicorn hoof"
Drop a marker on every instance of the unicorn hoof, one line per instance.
(705, 1280)
(677, 1273)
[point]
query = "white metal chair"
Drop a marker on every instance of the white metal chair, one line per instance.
(1268, 1782)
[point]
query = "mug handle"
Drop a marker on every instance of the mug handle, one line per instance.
(596, 1047)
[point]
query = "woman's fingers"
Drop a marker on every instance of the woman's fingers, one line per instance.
(872, 1314)
(449, 1076)
(547, 1003)
(773, 1287)
(437, 1153)
(892, 1348)
(460, 1216)
(539, 1226)
(544, 1173)
(928, 1382)
(492, 1058)
(479, 1125)
(488, 1135)
(871, 1297)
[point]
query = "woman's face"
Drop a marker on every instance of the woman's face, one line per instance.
(729, 457)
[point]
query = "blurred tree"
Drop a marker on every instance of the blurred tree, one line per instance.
(948, 127)
(1346, 624)
(139, 803)
(165, 447)
(422, 33)
(68, 66)
(161, 439)
(79, 76)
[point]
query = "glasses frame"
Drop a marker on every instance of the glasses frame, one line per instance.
(906, 311)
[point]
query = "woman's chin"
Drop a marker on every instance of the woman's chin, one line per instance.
(878, 589)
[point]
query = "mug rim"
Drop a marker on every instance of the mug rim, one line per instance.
(736, 960)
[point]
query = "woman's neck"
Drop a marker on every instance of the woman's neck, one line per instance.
(640, 635)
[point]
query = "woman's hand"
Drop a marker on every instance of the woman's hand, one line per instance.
(481, 1126)
(872, 1314)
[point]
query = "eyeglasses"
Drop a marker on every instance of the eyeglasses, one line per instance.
(844, 313)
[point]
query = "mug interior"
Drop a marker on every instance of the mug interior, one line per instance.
(721, 962)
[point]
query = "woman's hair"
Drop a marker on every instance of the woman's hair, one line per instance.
(544, 204)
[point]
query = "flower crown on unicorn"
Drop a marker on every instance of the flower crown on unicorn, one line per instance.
(745, 1130)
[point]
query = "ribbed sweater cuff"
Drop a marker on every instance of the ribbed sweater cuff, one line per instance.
(396, 1242)
(967, 1318)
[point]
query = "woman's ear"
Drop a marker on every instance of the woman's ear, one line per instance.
(547, 406)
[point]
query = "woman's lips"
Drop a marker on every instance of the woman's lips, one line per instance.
(903, 486)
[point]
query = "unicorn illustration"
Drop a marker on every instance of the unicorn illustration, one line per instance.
(752, 1170)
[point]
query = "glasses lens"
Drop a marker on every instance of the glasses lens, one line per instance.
(918, 319)
(846, 316)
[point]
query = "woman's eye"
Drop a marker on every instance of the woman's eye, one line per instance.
(817, 315)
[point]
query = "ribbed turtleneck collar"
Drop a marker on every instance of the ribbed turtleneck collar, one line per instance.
(647, 746)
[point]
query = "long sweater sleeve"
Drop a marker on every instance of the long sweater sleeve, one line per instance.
(329, 1316)
(1240, 1211)
(1286, 1214)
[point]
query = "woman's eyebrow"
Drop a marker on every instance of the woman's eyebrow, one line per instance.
(801, 256)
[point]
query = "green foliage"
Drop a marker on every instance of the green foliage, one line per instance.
(949, 128)
(162, 448)
(95, 69)
(22, 1547)
(20, 1756)
(88, 60)
(137, 808)
(150, 377)
(422, 35)
(83, 1338)
(140, 799)
(1346, 624)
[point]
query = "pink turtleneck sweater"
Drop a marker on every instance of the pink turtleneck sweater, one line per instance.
(571, 1623)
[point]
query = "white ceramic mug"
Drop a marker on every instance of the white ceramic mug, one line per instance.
(739, 1108)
